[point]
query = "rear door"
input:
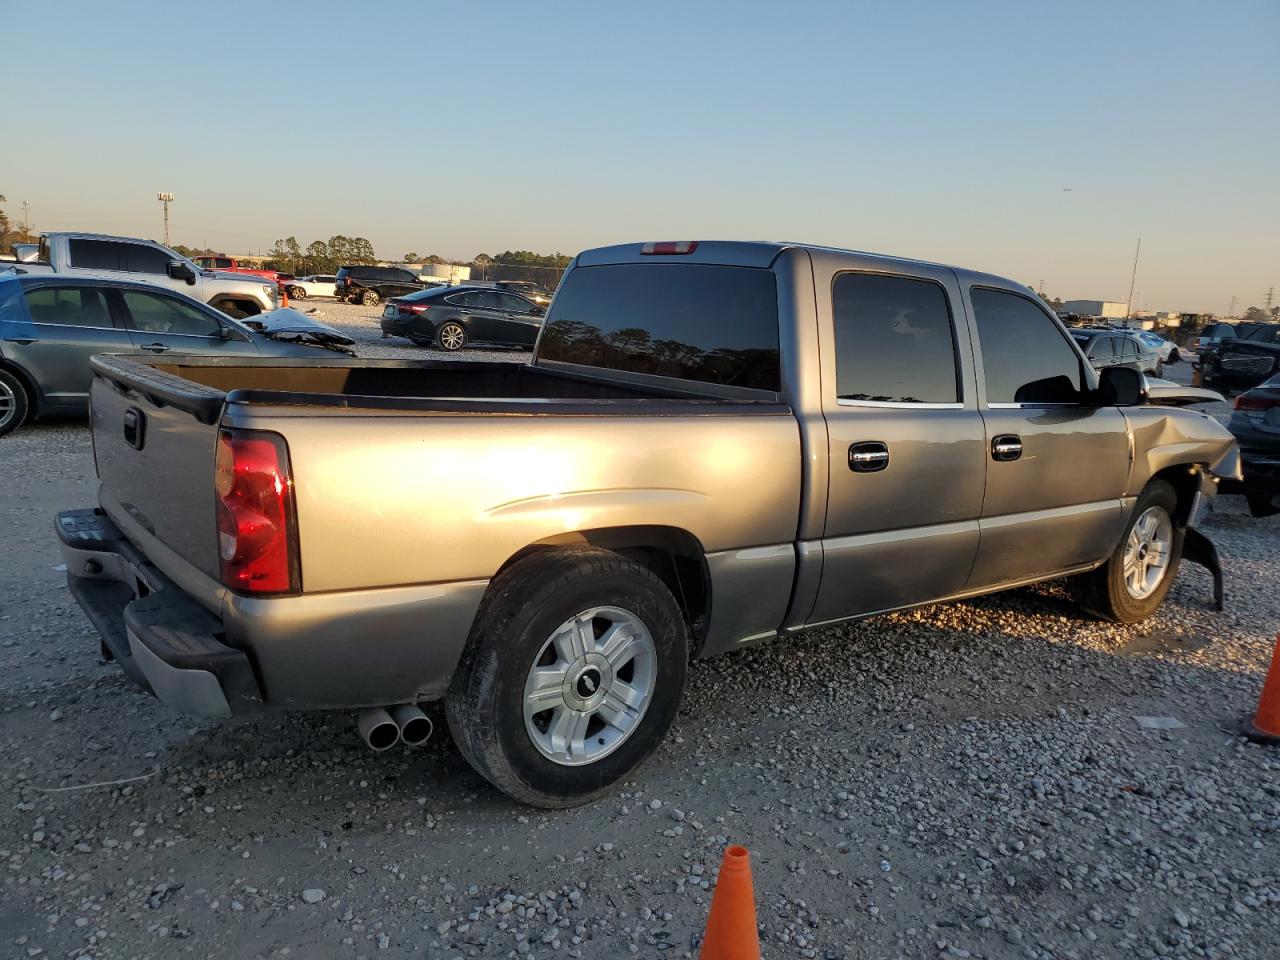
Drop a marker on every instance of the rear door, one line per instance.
(1056, 467)
(159, 322)
(69, 324)
(488, 321)
(906, 447)
(521, 320)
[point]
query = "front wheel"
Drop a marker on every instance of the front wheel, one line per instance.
(14, 403)
(1134, 581)
(370, 298)
(297, 293)
(571, 676)
(1174, 356)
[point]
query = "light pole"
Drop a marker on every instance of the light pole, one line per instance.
(26, 221)
(166, 199)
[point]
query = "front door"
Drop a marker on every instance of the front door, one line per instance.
(69, 324)
(521, 320)
(1057, 467)
(161, 323)
(905, 442)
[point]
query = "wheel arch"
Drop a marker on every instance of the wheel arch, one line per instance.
(1186, 480)
(247, 306)
(673, 554)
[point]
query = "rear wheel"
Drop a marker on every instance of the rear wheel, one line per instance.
(571, 676)
(451, 336)
(14, 403)
(370, 298)
(297, 293)
(1134, 581)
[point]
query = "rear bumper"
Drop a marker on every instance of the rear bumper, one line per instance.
(312, 651)
(163, 640)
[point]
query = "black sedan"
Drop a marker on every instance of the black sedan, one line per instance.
(452, 317)
(1255, 422)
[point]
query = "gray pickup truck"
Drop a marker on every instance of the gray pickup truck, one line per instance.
(715, 444)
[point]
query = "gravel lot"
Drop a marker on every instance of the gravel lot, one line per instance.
(963, 780)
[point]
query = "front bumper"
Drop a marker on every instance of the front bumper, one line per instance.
(164, 641)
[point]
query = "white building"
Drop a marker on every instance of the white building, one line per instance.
(1102, 309)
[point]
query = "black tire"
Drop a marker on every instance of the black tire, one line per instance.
(1103, 592)
(15, 404)
(523, 608)
(296, 293)
(370, 298)
(451, 336)
(1174, 356)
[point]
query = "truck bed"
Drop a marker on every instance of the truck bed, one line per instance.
(395, 462)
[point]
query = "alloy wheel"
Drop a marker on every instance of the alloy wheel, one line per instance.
(589, 686)
(1147, 552)
(8, 405)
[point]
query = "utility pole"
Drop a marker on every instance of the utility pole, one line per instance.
(166, 199)
(1128, 308)
(1231, 310)
(26, 221)
(1271, 295)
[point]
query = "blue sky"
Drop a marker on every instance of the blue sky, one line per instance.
(939, 130)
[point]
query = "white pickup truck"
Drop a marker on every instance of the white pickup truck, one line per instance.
(126, 258)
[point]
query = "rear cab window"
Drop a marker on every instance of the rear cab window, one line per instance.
(705, 323)
(97, 254)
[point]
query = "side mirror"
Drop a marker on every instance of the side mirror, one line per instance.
(1120, 387)
(180, 271)
(226, 333)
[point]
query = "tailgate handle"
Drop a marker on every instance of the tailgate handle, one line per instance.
(135, 428)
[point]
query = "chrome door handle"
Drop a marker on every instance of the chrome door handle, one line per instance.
(1006, 447)
(154, 347)
(869, 456)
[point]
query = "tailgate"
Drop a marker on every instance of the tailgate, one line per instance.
(155, 438)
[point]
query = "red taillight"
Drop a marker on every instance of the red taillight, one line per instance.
(668, 247)
(346, 281)
(257, 529)
(413, 307)
(1246, 402)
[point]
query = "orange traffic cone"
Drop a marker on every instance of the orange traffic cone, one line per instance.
(1197, 376)
(1263, 726)
(731, 927)
(284, 296)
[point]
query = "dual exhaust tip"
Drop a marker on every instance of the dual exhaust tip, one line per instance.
(382, 730)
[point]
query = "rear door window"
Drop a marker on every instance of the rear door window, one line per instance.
(894, 340)
(707, 323)
(98, 254)
(69, 306)
(1026, 357)
(157, 313)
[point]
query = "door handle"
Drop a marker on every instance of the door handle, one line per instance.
(154, 347)
(869, 456)
(1005, 447)
(22, 340)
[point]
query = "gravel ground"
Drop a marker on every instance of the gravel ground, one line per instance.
(958, 781)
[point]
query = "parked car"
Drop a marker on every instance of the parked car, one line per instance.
(715, 444)
(50, 325)
(316, 285)
(1210, 335)
(528, 289)
(1107, 347)
(1244, 360)
(371, 285)
(129, 259)
(453, 317)
(232, 265)
(1255, 423)
(1166, 350)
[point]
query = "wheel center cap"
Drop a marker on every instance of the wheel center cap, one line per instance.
(586, 682)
